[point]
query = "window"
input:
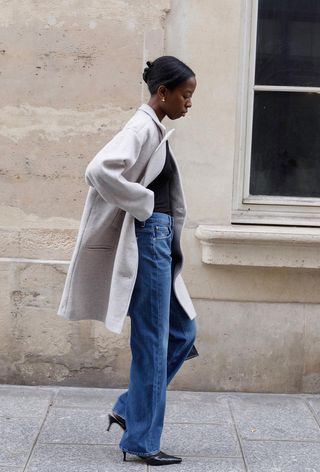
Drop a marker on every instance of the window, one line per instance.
(277, 176)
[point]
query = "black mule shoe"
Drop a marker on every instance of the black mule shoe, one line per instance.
(116, 419)
(160, 458)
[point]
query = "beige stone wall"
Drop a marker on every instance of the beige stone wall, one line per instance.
(71, 76)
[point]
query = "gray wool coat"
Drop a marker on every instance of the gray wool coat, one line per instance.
(104, 263)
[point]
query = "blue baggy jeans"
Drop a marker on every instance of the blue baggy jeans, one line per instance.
(162, 336)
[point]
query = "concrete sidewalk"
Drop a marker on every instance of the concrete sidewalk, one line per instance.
(63, 429)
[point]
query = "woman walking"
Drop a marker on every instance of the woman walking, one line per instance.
(128, 259)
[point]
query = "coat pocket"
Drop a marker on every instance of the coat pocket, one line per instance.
(103, 227)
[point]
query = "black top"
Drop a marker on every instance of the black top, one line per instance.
(161, 186)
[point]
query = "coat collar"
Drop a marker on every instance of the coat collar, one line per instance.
(150, 111)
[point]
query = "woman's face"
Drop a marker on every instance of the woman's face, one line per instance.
(178, 101)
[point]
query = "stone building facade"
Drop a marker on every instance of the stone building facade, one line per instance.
(71, 77)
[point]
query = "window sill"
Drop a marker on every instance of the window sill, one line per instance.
(260, 246)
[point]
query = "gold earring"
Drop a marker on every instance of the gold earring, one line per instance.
(163, 99)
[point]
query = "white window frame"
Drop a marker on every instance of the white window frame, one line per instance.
(255, 209)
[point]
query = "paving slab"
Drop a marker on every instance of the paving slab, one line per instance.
(197, 407)
(80, 458)
(103, 398)
(79, 426)
(200, 440)
(282, 456)
(274, 417)
(17, 438)
(24, 401)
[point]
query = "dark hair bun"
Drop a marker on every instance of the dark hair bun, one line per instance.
(166, 70)
(146, 71)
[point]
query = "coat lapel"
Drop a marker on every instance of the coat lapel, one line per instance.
(157, 161)
(150, 111)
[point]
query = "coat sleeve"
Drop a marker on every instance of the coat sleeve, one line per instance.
(105, 174)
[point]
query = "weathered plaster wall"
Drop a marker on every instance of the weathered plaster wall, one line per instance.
(70, 77)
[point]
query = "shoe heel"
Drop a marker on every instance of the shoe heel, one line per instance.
(124, 456)
(111, 421)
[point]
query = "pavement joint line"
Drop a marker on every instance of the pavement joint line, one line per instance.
(282, 440)
(78, 407)
(78, 444)
(50, 403)
(237, 434)
(91, 408)
(215, 423)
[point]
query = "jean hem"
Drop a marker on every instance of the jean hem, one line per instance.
(143, 454)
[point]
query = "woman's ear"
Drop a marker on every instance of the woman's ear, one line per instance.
(162, 93)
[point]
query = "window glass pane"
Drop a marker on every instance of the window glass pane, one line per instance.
(288, 43)
(285, 154)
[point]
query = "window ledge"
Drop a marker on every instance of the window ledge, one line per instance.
(264, 246)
